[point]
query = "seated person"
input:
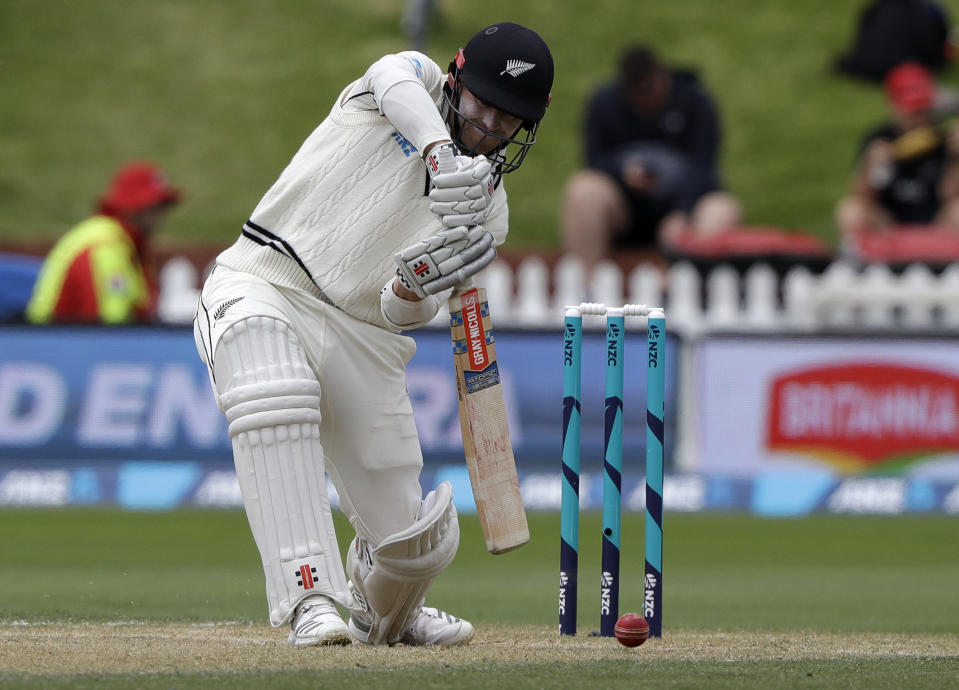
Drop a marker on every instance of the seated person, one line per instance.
(652, 139)
(101, 271)
(906, 170)
(890, 32)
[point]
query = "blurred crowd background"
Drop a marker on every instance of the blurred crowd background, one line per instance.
(220, 95)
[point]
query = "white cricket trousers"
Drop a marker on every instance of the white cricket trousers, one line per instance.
(307, 389)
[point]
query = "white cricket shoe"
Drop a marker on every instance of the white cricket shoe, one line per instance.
(433, 626)
(317, 622)
(430, 627)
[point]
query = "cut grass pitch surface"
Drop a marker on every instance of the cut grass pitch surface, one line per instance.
(90, 597)
(222, 655)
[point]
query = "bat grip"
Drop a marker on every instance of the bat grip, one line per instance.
(465, 286)
(446, 162)
(445, 159)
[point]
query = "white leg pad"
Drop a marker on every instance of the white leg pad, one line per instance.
(392, 579)
(272, 400)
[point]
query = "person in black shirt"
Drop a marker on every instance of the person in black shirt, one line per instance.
(652, 139)
(906, 171)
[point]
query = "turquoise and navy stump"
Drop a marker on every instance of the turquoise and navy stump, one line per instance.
(655, 413)
(652, 604)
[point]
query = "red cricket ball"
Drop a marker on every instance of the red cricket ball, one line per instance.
(631, 630)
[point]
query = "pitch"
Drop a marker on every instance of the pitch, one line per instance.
(114, 599)
(520, 656)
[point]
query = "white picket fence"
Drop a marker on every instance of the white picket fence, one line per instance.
(842, 298)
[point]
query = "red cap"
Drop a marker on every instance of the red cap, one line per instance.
(910, 87)
(137, 186)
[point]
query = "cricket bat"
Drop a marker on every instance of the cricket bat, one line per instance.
(486, 440)
(479, 393)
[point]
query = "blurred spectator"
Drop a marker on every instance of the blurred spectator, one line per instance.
(891, 32)
(416, 22)
(101, 270)
(652, 139)
(906, 170)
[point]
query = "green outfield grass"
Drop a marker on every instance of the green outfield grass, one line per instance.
(884, 673)
(222, 94)
(720, 571)
(827, 581)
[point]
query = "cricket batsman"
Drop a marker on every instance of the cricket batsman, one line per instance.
(300, 326)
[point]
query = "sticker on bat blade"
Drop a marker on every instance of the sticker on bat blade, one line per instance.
(460, 347)
(456, 317)
(478, 380)
(473, 325)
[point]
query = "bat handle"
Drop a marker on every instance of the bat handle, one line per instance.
(462, 288)
(446, 162)
(445, 159)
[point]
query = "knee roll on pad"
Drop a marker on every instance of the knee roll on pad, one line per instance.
(393, 578)
(270, 403)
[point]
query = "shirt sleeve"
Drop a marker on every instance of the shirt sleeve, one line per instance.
(407, 89)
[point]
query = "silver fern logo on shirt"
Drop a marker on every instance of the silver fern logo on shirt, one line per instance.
(223, 307)
(514, 68)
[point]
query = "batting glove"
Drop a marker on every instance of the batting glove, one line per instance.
(445, 259)
(463, 196)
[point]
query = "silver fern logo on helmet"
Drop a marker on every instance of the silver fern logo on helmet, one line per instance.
(514, 68)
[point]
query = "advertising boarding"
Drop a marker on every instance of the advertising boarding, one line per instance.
(127, 414)
(869, 423)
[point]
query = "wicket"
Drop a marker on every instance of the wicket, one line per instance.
(612, 465)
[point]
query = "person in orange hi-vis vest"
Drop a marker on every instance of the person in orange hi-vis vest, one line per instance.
(101, 271)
